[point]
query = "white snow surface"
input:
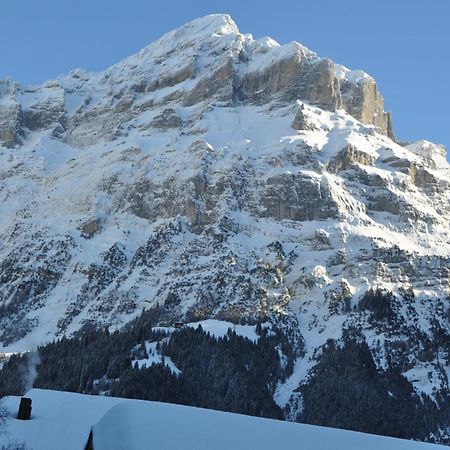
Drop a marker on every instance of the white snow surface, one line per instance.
(62, 420)
(154, 357)
(219, 328)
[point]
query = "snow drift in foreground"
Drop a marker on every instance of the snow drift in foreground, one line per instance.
(62, 420)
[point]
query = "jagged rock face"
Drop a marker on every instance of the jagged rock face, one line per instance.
(10, 115)
(348, 157)
(320, 86)
(298, 198)
(45, 108)
(364, 102)
(219, 176)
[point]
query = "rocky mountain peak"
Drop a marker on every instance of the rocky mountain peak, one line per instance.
(205, 61)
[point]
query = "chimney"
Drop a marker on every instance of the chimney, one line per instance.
(24, 409)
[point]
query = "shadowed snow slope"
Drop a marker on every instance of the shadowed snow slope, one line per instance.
(63, 421)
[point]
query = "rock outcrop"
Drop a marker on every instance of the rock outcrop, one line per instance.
(10, 115)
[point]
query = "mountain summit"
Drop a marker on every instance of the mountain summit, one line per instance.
(205, 60)
(224, 177)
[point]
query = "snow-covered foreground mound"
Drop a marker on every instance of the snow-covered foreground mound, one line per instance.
(64, 420)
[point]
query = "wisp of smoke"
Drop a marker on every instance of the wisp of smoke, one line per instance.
(30, 376)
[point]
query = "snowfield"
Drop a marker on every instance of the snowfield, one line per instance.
(62, 420)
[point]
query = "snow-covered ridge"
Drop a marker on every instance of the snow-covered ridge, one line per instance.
(352, 76)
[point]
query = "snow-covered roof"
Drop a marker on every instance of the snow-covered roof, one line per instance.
(63, 420)
(60, 420)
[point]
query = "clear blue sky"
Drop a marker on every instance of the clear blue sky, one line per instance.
(404, 44)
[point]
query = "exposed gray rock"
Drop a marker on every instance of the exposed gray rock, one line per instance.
(90, 228)
(170, 79)
(280, 78)
(365, 103)
(347, 157)
(219, 84)
(297, 197)
(45, 114)
(10, 115)
(318, 84)
(301, 121)
(167, 119)
(10, 125)
(423, 178)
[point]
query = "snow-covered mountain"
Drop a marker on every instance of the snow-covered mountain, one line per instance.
(230, 178)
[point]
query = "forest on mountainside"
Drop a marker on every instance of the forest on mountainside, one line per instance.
(345, 389)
